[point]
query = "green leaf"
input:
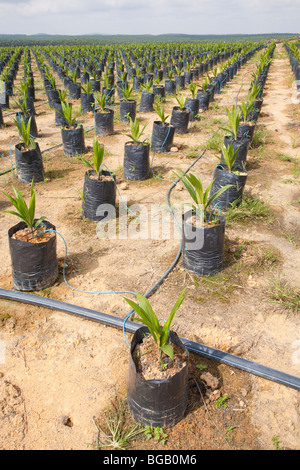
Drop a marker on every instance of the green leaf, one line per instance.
(168, 350)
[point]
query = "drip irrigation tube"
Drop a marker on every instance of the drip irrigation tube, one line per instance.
(116, 322)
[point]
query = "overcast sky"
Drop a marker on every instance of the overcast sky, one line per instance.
(77, 17)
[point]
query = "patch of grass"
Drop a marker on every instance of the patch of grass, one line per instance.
(250, 208)
(214, 142)
(261, 137)
(118, 430)
(283, 294)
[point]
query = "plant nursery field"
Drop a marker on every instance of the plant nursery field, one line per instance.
(64, 377)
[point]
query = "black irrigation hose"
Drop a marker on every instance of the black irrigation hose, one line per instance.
(116, 322)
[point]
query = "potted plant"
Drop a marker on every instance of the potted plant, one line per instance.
(202, 230)
(147, 97)
(246, 127)
(127, 105)
(240, 144)
(74, 88)
(254, 95)
(103, 116)
(32, 245)
(231, 175)
(170, 85)
(99, 186)
(180, 116)
(87, 98)
(28, 156)
(136, 153)
(72, 134)
(26, 115)
(179, 79)
(203, 96)
(162, 132)
(192, 104)
(159, 89)
(157, 391)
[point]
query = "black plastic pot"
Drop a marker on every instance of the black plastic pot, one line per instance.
(180, 119)
(34, 265)
(192, 104)
(179, 81)
(104, 122)
(73, 141)
(203, 98)
(159, 90)
(127, 107)
(246, 131)
(202, 247)
(242, 150)
(97, 193)
(29, 164)
(33, 126)
(222, 177)
(146, 103)
(53, 96)
(136, 161)
(74, 91)
(157, 403)
(170, 87)
(162, 137)
(87, 101)
(1, 118)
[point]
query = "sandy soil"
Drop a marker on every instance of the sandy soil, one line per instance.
(61, 372)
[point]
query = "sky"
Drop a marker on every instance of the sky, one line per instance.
(76, 17)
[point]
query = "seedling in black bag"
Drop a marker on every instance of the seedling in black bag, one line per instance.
(149, 318)
(24, 212)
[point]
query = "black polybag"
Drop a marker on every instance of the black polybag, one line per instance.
(136, 161)
(157, 403)
(34, 265)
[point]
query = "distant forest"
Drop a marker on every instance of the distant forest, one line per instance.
(98, 39)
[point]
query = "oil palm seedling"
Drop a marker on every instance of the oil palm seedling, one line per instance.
(103, 116)
(147, 97)
(99, 190)
(227, 173)
(193, 103)
(162, 132)
(136, 153)
(180, 116)
(72, 133)
(127, 104)
(37, 268)
(203, 231)
(165, 387)
(28, 156)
